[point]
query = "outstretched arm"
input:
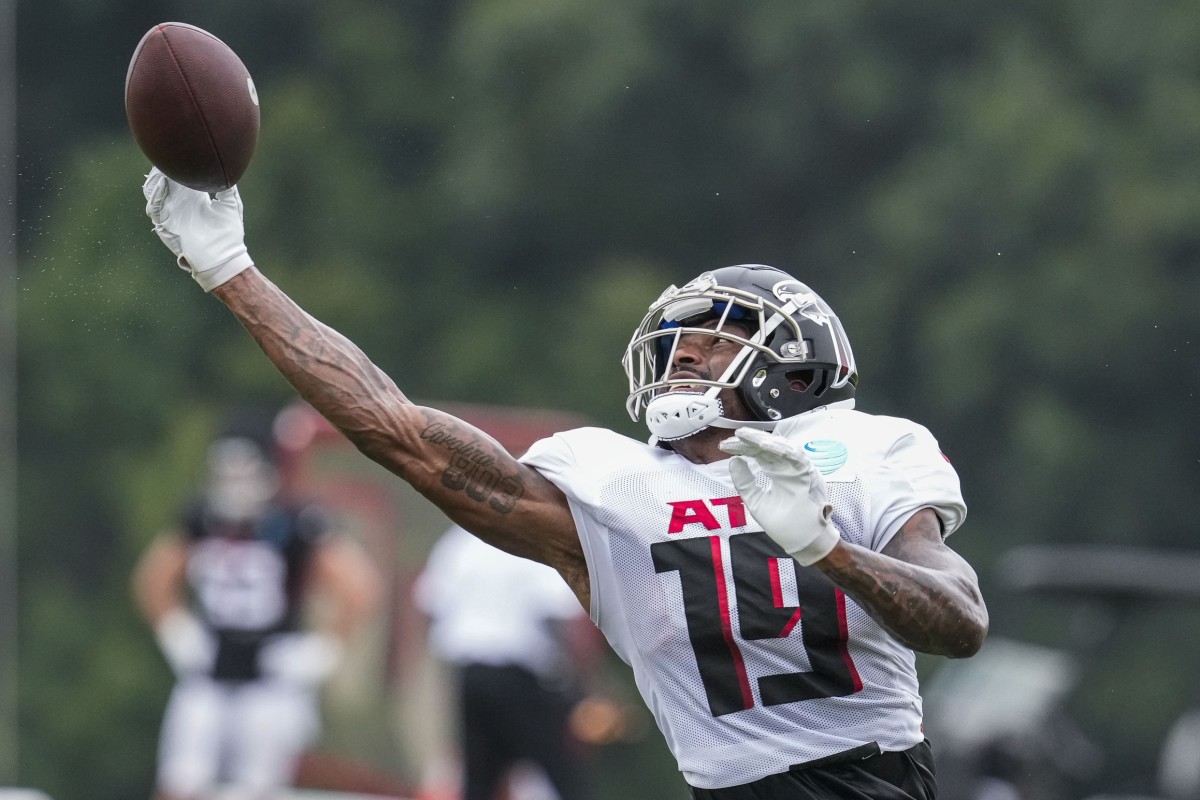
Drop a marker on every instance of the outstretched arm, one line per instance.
(459, 468)
(462, 470)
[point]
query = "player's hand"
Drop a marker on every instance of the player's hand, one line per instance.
(188, 646)
(794, 507)
(204, 232)
(301, 659)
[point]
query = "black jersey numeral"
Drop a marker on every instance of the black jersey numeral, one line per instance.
(721, 653)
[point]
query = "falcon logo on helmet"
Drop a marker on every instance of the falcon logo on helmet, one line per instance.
(795, 357)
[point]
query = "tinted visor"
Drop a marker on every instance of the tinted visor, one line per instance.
(695, 317)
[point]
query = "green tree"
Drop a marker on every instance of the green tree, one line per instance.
(486, 195)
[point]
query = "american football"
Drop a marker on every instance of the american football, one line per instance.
(192, 106)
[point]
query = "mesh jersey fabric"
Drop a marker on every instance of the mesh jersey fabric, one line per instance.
(749, 662)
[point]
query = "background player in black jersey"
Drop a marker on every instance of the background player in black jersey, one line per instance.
(225, 593)
(770, 604)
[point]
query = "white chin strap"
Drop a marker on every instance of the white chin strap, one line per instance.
(678, 415)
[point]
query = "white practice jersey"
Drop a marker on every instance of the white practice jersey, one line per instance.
(487, 606)
(749, 662)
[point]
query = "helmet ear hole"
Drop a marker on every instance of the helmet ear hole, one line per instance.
(800, 379)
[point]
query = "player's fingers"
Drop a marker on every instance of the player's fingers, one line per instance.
(759, 444)
(736, 447)
(767, 442)
(774, 454)
(229, 199)
(747, 442)
(155, 190)
(229, 196)
(752, 437)
(744, 479)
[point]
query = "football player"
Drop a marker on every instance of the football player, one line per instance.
(768, 563)
(225, 593)
(520, 646)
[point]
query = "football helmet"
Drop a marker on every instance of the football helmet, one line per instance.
(241, 480)
(795, 355)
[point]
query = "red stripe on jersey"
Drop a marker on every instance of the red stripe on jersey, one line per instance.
(777, 596)
(727, 623)
(843, 649)
(776, 588)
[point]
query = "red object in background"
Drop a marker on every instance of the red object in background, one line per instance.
(339, 774)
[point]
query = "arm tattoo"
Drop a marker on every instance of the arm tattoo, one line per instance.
(931, 603)
(335, 377)
(457, 467)
(473, 468)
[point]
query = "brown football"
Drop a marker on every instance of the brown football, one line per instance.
(192, 106)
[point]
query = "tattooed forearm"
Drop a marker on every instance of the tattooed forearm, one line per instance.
(460, 469)
(326, 369)
(338, 379)
(934, 608)
(474, 467)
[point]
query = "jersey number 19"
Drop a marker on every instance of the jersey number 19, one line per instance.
(756, 594)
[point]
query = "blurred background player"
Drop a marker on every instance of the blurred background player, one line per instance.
(225, 593)
(521, 646)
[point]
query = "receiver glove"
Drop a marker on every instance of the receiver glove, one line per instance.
(204, 232)
(794, 509)
(188, 646)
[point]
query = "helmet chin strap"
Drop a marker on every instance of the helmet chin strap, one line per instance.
(680, 414)
(677, 415)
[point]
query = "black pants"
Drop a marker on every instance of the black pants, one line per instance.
(509, 716)
(859, 774)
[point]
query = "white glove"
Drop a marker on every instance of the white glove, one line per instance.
(188, 646)
(794, 509)
(301, 659)
(205, 233)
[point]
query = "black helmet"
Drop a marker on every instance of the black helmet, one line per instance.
(797, 356)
